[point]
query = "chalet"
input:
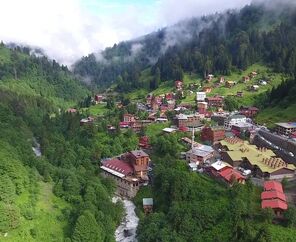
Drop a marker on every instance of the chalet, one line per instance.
(200, 96)
(246, 79)
(148, 205)
(249, 112)
(207, 89)
(212, 134)
(253, 74)
(215, 101)
(274, 197)
(199, 154)
(229, 84)
(286, 128)
(254, 88)
(240, 94)
(261, 161)
(202, 107)
(178, 85)
(225, 172)
(209, 77)
(98, 98)
(88, 120)
(234, 119)
(144, 142)
(71, 110)
(221, 79)
(129, 118)
(124, 125)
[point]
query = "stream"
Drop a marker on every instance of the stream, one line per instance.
(127, 230)
(36, 148)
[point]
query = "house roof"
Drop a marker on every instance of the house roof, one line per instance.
(214, 98)
(117, 167)
(264, 159)
(169, 130)
(147, 201)
(273, 186)
(236, 116)
(139, 153)
(287, 125)
(229, 172)
(219, 165)
(273, 195)
(274, 203)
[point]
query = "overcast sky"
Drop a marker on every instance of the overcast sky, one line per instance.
(69, 29)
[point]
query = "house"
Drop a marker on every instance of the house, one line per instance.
(253, 74)
(124, 125)
(169, 130)
(200, 96)
(261, 161)
(88, 120)
(71, 110)
(189, 121)
(274, 197)
(99, 98)
(249, 112)
(129, 118)
(246, 79)
(286, 128)
(161, 120)
(221, 79)
(234, 119)
(212, 134)
(215, 101)
(207, 89)
(192, 166)
(229, 84)
(138, 125)
(202, 107)
(169, 96)
(121, 172)
(209, 77)
(225, 172)
(144, 142)
(240, 129)
(254, 88)
(148, 205)
(199, 154)
(240, 94)
(178, 85)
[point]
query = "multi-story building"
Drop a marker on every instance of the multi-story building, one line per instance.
(189, 121)
(286, 128)
(234, 119)
(212, 134)
(249, 112)
(201, 96)
(202, 107)
(129, 171)
(215, 101)
(128, 118)
(199, 154)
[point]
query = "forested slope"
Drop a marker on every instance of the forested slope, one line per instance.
(58, 196)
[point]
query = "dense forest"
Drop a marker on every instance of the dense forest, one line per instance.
(219, 44)
(59, 195)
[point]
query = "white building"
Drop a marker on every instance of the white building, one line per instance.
(234, 119)
(200, 96)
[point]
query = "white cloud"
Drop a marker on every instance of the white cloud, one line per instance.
(68, 29)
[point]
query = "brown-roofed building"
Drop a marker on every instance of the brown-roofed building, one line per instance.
(212, 134)
(215, 101)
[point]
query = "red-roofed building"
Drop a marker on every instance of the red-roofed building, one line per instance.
(273, 195)
(121, 172)
(123, 125)
(128, 118)
(230, 175)
(277, 205)
(169, 96)
(273, 186)
(144, 142)
(98, 98)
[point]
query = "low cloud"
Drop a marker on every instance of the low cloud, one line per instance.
(66, 30)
